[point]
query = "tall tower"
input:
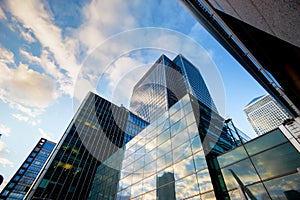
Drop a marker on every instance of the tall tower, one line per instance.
(184, 137)
(164, 84)
(98, 129)
(29, 170)
(265, 114)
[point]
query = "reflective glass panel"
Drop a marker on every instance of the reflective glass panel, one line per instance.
(150, 195)
(190, 118)
(184, 168)
(178, 126)
(200, 161)
(187, 187)
(257, 191)
(282, 159)
(149, 183)
(196, 144)
(204, 181)
(179, 139)
(284, 187)
(208, 196)
(243, 171)
(182, 152)
(193, 130)
(265, 142)
(232, 156)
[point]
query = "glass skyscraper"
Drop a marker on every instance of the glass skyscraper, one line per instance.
(20, 183)
(173, 156)
(164, 84)
(265, 114)
(169, 159)
(98, 129)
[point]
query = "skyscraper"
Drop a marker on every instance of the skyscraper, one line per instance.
(164, 84)
(263, 37)
(265, 114)
(173, 156)
(29, 170)
(98, 129)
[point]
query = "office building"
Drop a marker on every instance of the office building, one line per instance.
(263, 37)
(164, 84)
(98, 129)
(173, 156)
(20, 183)
(159, 161)
(265, 114)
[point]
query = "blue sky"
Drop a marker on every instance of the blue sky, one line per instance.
(44, 45)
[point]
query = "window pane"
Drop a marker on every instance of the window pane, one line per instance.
(284, 187)
(204, 181)
(265, 142)
(232, 156)
(187, 187)
(257, 191)
(243, 170)
(277, 161)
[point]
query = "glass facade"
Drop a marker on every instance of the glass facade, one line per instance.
(149, 97)
(29, 170)
(97, 130)
(166, 160)
(194, 82)
(264, 168)
(164, 84)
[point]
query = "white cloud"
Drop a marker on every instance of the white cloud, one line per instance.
(35, 17)
(6, 56)
(2, 14)
(4, 151)
(45, 134)
(102, 19)
(5, 162)
(122, 76)
(28, 87)
(21, 117)
(4, 130)
(27, 119)
(27, 35)
(24, 89)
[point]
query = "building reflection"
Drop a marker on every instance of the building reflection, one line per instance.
(166, 187)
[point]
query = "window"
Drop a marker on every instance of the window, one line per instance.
(280, 160)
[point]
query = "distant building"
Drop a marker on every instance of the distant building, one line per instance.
(29, 170)
(98, 129)
(265, 114)
(166, 186)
